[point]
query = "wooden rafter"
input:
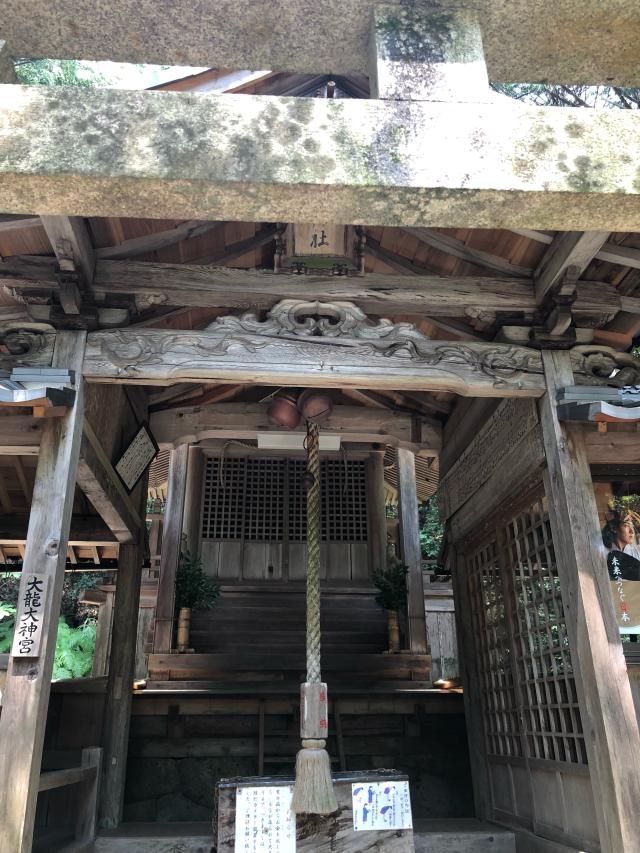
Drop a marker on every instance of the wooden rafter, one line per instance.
(612, 253)
(236, 250)
(153, 242)
(458, 249)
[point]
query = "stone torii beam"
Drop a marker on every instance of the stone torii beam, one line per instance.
(593, 41)
(244, 157)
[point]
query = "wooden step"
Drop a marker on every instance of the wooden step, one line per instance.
(211, 666)
(228, 687)
(461, 835)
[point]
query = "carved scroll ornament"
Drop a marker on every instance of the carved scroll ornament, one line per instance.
(598, 365)
(302, 330)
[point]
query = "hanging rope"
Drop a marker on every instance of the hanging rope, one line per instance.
(313, 790)
(313, 554)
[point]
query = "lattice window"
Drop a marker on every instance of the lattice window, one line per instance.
(494, 652)
(250, 501)
(553, 727)
(222, 509)
(264, 500)
(343, 496)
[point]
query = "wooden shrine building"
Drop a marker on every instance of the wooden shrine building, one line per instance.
(456, 273)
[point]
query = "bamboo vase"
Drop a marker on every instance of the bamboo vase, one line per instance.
(184, 621)
(394, 631)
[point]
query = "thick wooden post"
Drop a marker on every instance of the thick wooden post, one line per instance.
(171, 545)
(606, 704)
(117, 711)
(193, 499)
(377, 510)
(26, 693)
(410, 549)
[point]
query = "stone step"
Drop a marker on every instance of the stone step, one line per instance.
(462, 835)
(156, 838)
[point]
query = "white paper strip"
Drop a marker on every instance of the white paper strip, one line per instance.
(381, 805)
(265, 822)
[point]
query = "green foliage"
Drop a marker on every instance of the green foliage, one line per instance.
(548, 95)
(431, 529)
(74, 646)
(7, 621)
(57, 72)
(193, 588)
(74, 650)
(392, 586)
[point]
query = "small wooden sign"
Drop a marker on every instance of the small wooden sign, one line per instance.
(140, 453)
(27, 635)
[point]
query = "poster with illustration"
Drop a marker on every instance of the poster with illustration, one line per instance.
(381, 805)
(621, 538)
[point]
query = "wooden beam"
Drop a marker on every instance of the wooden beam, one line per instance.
(117, 711)
(156, 240)
(9, 223)
(20, 435)
(237, 250)
(569, 249)
(84, 531)
(473, 171)
(246, 420)
(450, 246)
(206, 287)
(28, 682)
(613, 253)
(410, 549)
(608, 716)
(171, 549)
(74, 250)
(99, 481)
(156, 357)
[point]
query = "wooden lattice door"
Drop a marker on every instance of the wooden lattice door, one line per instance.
(534, 738)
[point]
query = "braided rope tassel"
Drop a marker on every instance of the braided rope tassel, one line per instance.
(313, 791)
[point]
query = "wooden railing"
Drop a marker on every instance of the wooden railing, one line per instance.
(87, 779)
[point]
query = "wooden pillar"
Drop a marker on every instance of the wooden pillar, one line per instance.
(377, 510)
(101, 653)
(28, 684)
(468, 660)
(606, 704)
(117, 711)
(193, 499)
(171, 546)
(410, 549)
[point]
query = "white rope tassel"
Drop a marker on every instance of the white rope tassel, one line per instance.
(313, 791)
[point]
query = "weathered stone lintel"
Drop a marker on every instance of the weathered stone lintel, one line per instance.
(112, 153)
(587, 42)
